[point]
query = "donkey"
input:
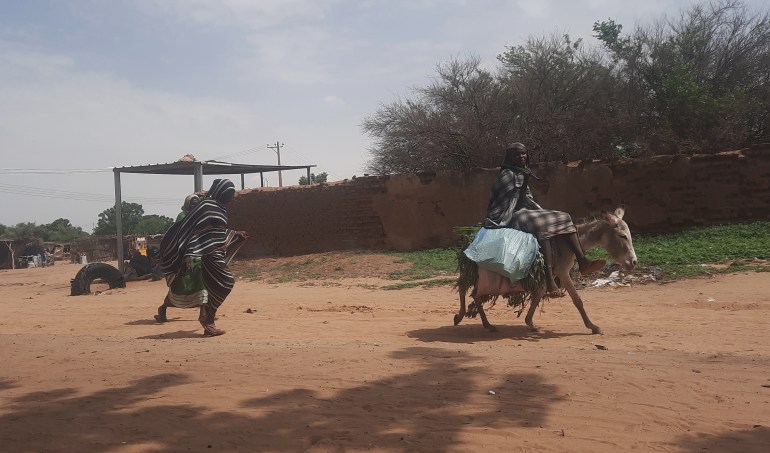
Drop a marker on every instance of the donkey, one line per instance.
(609, 232)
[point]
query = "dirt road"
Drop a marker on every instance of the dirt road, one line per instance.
(342, 366)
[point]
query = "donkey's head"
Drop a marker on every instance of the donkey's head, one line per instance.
(616, 239)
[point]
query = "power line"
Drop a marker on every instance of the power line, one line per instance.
(80, 196)
(299, 157)
(237, 154)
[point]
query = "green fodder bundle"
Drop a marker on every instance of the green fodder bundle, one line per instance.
(469, 274)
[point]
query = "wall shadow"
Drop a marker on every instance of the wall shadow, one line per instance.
(424, 410)
(755, 440)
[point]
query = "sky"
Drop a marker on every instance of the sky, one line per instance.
(88, 85)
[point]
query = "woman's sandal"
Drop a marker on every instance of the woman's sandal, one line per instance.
(211, 331)
(160, 317)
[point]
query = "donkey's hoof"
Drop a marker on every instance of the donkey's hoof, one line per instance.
(491, 328)
(596, 330)
(457, 319)
(533, 328)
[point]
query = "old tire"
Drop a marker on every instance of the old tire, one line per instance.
(81, 284)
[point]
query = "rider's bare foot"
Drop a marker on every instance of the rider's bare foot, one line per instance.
(589, 267)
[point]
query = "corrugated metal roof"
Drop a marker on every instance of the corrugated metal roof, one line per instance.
(210, 167)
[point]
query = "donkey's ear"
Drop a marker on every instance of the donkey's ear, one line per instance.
(607, 216)
(620, 212)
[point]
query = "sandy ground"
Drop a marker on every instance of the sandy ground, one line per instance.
(344, 367)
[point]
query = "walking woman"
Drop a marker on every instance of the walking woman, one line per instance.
(194, 254)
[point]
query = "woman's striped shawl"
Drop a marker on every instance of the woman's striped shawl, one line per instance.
(202, 232)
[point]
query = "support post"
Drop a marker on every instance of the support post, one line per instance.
(119, 219)
(261, 179)
(277, 149)
(243, 181)
(309, 182)
(198, 176)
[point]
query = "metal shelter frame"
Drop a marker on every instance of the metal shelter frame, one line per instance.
(197, 169)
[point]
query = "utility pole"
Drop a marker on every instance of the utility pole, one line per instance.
(277, 149)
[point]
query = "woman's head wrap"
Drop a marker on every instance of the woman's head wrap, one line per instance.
(222, 190)
(511, 152)
(190, 201)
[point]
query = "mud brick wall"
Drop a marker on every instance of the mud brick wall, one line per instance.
(665, 193)
(417, 211)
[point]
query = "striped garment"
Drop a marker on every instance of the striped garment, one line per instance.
(508, 209)
(202, 234)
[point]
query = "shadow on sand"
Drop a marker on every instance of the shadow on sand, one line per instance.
(424, 410)
(472, 333)
(754, 440)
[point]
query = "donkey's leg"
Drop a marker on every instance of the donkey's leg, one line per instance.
(570, 287)
(533, 303)
(461, 314)
(483, 315)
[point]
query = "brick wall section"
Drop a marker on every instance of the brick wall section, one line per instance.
(301, 219)
(416, 211)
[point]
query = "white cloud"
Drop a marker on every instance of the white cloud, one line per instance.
(247, 13)
(537, 9)
(94, 112)
(333, 100)
(55, 116)
(297, 56)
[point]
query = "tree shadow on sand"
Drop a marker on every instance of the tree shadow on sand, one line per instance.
(6, 384)
(427, 409)
(755, 440)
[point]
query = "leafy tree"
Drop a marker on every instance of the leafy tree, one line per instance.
(131, 215)
(459, 121)
(564, 99)
(3, 230)
(154, 224)
(314, 178)
(60, 230)
(25, 230)
(691, 84)
(699, 83)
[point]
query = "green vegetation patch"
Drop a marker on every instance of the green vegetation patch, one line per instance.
(426, 264)
(701, 251)
(693, 252)
(422, 284)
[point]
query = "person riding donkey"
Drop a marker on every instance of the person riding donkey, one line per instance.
(511, 205)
